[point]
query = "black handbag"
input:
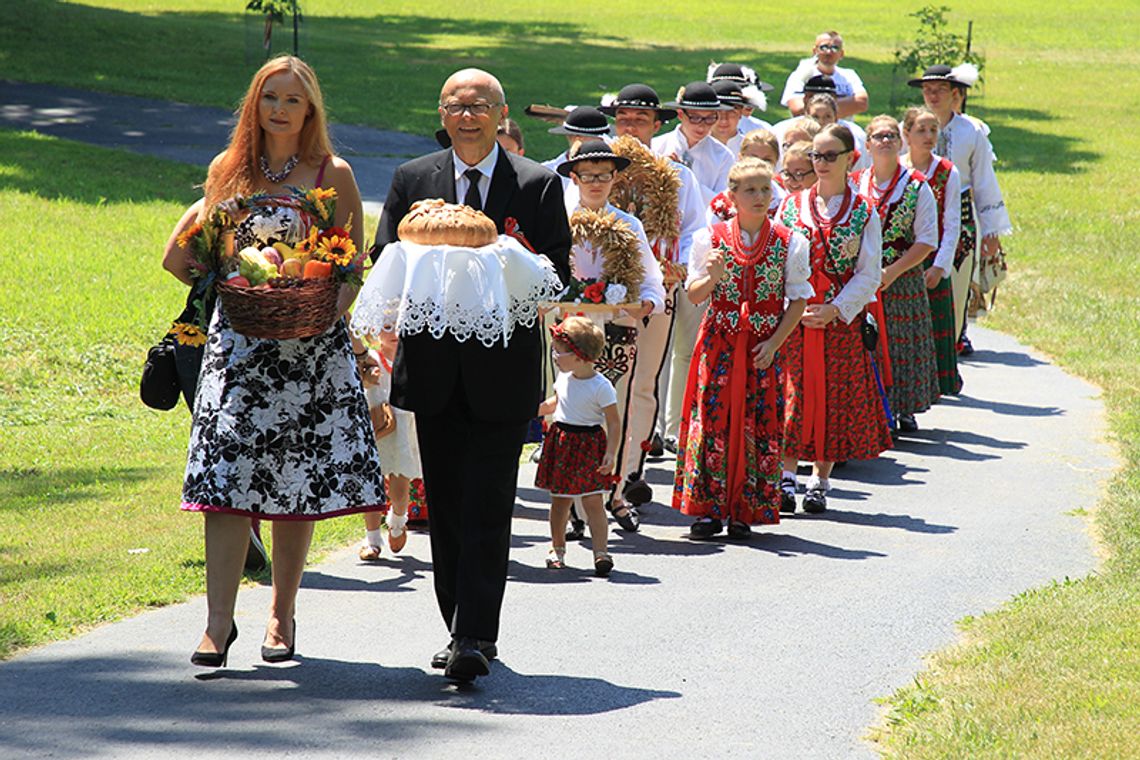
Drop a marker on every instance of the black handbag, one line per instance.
(160, 387)
(869, 331)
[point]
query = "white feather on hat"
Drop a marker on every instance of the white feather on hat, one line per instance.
(750, 75)
(710, 70)
(966, 73)
(608, 99)
(755, 96)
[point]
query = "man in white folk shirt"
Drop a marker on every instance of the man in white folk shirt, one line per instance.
(637, 112)
(826, 55)
(964, 142)
(581, 124)
(691, 142)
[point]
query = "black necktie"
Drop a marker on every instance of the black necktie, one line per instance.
(473, 199)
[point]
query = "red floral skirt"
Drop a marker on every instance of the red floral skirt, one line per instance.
(855, 426)
(728, 448)
(571, 455)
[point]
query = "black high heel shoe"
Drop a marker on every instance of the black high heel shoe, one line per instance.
(280, 654)
(215, 659)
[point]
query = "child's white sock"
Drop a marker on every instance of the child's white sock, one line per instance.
(396, 523)
(789, 476)
(817, 482)
(373, 538)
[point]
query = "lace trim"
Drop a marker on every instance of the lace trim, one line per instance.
(388, 306)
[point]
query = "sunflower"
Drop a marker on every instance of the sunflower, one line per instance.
(309, 244)
(335, 249)
(187, 334)
(185, 238)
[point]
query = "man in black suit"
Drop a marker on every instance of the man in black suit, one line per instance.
(473, 402)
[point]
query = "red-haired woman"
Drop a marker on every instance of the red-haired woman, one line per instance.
(833, 411)
(280, 427)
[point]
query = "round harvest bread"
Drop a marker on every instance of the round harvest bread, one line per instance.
(434, 222)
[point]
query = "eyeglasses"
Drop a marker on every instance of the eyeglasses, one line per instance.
(710, 120)
(797, 176)
(476, 109)
(830, 48)
(589, 179)
(884, 137)
(827, 158)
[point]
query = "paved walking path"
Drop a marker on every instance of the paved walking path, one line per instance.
(772, 648)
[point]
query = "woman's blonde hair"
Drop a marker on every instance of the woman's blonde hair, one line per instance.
(235, 171)
(746, 168)
(800, 149)
(805, 124)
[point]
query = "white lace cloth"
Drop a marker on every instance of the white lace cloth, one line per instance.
(481, 292)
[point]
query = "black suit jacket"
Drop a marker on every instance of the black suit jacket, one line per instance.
(500, 383)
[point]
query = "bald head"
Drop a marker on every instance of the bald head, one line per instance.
(473, 79)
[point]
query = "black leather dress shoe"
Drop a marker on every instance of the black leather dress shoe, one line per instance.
(656, 446)
(706, 528)
(440, 658)
(466, 662)
(671, 444)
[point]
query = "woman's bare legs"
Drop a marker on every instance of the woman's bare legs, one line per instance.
(227, 539)
(290, 548)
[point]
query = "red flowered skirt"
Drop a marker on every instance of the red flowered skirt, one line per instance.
(417, 503)
(910, 343)
(728, 448)
(571, 455)
(855, 425)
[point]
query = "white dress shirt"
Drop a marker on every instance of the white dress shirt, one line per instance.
(709, 159)
(966, 144)
(847, 82)
(925, 213)
(486, 168)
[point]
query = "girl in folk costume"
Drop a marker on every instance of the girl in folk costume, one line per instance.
(833, 409)
(908, 214)
(761, 144)
(729, 453)
(920, 131)
(610, 246)
(798, 172)
(578, 454)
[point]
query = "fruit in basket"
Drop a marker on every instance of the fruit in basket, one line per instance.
(285, 282)
(237, 281)
(289, 252)
(292, 268)
(253, 266)
(272, 256)
(317, 270)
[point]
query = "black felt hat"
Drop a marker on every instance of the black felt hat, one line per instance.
(592, 150)
(698, 96)
(964, 76)
(584, 120)
(820, 83)
(640, 96)
(729, 91)
(734, 72)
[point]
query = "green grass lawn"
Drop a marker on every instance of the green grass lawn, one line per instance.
(87, 474)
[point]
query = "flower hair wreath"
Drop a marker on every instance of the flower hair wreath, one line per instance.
(621, 250)
(558, 333)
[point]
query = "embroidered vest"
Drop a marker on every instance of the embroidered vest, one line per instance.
(846, 237)
(753, 286)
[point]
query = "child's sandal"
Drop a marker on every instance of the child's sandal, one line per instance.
(556, 559)
(603, 564)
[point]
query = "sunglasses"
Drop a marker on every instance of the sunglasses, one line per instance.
(830, 48)
(827, 158)
(884, 137)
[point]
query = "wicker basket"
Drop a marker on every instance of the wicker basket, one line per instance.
(302, 311)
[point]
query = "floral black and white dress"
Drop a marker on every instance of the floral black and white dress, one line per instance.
(281, 428)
